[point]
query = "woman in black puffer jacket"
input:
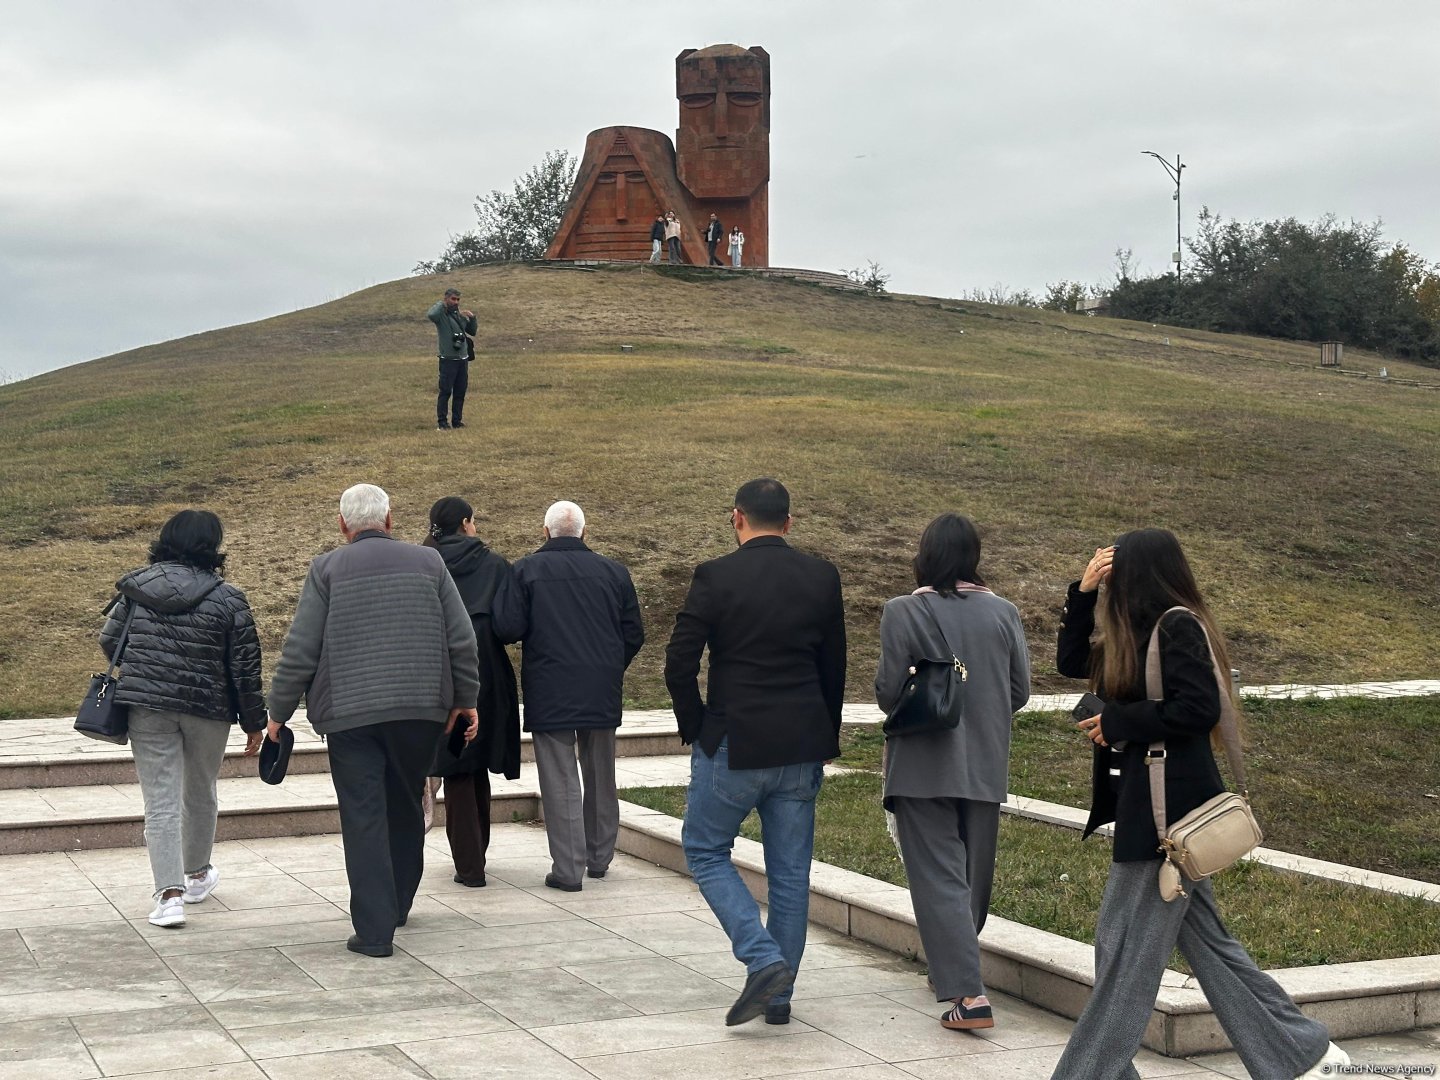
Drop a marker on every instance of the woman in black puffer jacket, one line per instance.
(477, 571)
(190, 669)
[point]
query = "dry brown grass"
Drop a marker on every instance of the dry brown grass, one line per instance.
(1306, 498)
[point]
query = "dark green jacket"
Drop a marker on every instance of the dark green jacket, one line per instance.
(448, 325)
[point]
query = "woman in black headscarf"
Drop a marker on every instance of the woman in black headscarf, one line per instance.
(477, 572)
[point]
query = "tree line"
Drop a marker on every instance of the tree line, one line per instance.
(1317, 281)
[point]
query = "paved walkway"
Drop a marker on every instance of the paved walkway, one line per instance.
(630, 978)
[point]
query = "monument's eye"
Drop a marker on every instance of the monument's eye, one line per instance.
(744, 100)
(605, 178)
(697, 101)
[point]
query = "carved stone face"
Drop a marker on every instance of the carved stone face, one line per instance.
(621, 191)
(722, 146)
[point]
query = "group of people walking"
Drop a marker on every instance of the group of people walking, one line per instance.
(393, 643)
(666, 231)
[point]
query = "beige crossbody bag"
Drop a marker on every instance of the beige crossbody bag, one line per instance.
(1222, 830)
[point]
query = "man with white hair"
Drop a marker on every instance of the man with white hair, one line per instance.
(578, 618)
(383, 652)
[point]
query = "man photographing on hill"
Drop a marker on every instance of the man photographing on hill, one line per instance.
(455, 328)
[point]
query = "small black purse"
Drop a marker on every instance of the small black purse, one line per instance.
(933, 699)
(100, 716)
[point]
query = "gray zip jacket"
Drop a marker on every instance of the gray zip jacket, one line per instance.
(380, 634)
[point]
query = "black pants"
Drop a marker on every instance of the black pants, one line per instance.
(674, 245)
(379, 772)
(454, 379)
(467, 822)
(710, 247)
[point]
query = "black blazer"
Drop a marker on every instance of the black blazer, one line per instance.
(774, 620)
(1183, 718)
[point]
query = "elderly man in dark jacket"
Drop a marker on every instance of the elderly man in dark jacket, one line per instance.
(579, 619)
(383, 652)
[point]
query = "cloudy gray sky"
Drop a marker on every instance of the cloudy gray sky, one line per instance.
(171, 167)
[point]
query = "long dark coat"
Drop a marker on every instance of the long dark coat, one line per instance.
(478, 572)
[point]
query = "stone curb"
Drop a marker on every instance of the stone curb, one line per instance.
(117, 766)
(1366, 998)
(240, 823)
(1072, 817)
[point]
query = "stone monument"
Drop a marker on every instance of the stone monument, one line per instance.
(719, 164)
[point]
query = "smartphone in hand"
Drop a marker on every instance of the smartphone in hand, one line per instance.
(1088, 706)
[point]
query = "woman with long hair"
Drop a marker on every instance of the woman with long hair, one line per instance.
(1134, 585)
(477, 572)
(191, 668)
(945, 787)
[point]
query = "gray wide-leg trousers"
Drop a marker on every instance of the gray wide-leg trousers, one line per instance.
(582, 813)
(948, 846)
(1133, 941)
(178, 759)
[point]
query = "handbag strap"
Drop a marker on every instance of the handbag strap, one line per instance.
(124, 637)
(935, 621)
(1229, 729)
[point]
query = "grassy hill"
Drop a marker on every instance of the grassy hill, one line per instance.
(1306, 499)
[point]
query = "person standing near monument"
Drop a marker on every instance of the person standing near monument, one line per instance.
(714, 233)
(657, 237)
(672, 236)
(454, 328)
(578, 619)
(737, 246)
(774, 621)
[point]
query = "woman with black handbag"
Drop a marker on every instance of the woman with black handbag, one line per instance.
(477, 571)
(956, 643)
(1146, 576)
(191, 668)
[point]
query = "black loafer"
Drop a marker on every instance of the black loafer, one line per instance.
(553, 882)
(596, 874)
(778, 1014)
(470, 882)
(759, 989)
(366, 949)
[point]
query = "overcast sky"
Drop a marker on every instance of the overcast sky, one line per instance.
(170, 167)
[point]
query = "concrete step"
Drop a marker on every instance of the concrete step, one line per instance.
(50, 753)
(92, 816)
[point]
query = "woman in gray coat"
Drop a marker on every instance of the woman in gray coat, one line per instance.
(945, 788)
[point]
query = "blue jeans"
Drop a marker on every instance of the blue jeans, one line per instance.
(719, 800)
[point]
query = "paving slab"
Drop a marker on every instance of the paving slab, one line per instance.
(510, 981)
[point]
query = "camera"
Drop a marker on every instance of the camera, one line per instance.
(457, 340)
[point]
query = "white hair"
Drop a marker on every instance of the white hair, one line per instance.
(565, 519)
(364, 506)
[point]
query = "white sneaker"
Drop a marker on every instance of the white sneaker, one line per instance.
(1325, 1067)
(200, 888)
(169, 912)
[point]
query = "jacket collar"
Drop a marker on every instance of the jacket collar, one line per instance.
(765, 540)
(564, 543)
(370, 534)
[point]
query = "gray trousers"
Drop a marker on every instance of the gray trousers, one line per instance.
(582, 828)
(177, 758)
(948, 846)
(1133, 941)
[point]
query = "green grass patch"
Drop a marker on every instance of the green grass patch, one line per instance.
(1047, 878)
(1384, 815)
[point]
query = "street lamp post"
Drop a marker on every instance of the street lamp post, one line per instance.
(1174, 172)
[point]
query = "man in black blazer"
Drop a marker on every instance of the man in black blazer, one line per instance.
(774, 621)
